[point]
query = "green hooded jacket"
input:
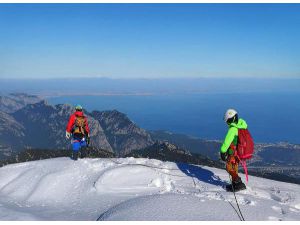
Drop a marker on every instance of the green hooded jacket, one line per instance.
(232, 135)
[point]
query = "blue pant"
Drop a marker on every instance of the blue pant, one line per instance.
(77, 144)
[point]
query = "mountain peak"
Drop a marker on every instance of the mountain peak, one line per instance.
(122, 133)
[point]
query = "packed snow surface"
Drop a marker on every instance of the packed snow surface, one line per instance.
(136, 189)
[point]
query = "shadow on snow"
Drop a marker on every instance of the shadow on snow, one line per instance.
(201, 174)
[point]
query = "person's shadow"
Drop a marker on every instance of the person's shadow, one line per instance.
(201, 174)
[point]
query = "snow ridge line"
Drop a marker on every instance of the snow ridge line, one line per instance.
(241, 218)
(154, 167)
(68, 193)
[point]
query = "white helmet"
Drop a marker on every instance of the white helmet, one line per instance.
(230, 113)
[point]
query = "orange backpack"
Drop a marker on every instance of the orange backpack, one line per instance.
(79, 125)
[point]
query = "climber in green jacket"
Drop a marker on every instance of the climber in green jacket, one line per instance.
(228, 147)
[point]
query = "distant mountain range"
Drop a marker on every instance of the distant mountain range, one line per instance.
(266, 154)
(28, 122)
(278, 161)
(30, 129)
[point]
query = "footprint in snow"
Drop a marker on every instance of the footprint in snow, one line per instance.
(211, 195)
(247, 201)
(282, 198)
(273, 218)
(279, 210)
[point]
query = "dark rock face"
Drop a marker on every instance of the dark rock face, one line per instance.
(200, 146)
(12, 135)
(46, 124)
(122, 134)
(167, 151)
(10, 127)
(12, 132)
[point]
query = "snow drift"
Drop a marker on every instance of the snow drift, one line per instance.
(136, 189)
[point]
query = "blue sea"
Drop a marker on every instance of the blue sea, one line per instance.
(271, 117)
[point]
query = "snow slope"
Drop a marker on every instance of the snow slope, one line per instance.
(136, 189)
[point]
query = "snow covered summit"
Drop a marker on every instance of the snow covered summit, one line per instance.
(136, 189)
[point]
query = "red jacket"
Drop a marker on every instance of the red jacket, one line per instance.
(72, 121)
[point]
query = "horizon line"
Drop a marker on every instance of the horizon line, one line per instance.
(150, 78)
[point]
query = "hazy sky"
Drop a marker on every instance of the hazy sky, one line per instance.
(149, 40)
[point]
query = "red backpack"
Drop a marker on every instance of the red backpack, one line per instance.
(245, 145)
(245, 148)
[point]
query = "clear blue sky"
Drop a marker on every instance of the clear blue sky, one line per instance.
(149, 40)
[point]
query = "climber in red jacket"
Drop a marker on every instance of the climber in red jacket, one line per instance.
(78, 128)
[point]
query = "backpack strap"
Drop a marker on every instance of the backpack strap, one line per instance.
(243, 162)
(244, 165)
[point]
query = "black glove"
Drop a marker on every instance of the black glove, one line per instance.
(224, 156)
(88, 140)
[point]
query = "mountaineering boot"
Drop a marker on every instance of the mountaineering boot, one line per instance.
(83, 152)
(236, 185)
(75, 155)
